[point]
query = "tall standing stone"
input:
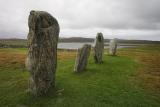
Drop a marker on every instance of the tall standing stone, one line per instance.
(42, 55)
(113, 47)
(82, 58)
(99, 48)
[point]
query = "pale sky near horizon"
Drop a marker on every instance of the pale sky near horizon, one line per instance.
(124, 19)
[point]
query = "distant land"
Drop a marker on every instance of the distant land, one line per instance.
(13, 42)
(81, 39)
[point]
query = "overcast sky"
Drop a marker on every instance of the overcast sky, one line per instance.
(125, 19)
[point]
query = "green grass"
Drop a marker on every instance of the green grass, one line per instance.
(107, 85)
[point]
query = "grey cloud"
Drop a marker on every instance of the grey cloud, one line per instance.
(121, 14)
(85, 17)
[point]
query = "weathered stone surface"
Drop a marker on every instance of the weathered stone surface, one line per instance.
(99, 48)
(42, 55)
(113, 47)
(82, 58)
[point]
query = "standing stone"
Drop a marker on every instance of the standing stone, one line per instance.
(99, 48)
(113, 47)
(42, 55)
(82, 58)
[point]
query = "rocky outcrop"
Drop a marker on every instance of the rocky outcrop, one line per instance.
(113, 47)
(99, 48)
(82, 58)
(42, 55)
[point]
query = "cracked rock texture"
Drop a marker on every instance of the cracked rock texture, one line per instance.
(42, 55)
(82, 58)
(99, 48)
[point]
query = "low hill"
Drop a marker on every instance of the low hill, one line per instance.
(23, 42)
(81, 39)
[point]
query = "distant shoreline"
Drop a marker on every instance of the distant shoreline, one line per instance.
(22, 43)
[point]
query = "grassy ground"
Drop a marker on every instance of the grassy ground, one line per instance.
(148, 75)
(120, 81)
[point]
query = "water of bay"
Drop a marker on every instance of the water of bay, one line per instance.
(76, 45)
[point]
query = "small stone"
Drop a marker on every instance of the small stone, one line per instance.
(99, 48)
(59, 92)
(82, 58)
(41, 60)
(113, 47)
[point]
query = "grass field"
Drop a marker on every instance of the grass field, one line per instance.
(130, 79)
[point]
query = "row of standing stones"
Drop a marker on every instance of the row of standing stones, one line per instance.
(84, 52)
(41, 60)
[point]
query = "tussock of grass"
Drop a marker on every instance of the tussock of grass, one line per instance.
(103, 85)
